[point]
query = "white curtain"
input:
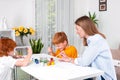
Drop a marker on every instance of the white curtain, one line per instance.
(65, 18)
(53, 16)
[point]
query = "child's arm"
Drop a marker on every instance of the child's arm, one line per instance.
(25, 60)
(50, 50)
(17, 56)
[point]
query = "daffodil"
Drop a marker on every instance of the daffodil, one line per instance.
(21, 28)
(23, 31)
(17, 33)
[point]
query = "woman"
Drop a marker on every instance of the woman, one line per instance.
(8, 59)
(97, 53)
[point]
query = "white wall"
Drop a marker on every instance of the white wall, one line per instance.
(108, 20)
(17, 12)
(79, 10)
(22, 12)
(110, 23)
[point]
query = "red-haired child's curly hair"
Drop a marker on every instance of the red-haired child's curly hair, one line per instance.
(6, 45)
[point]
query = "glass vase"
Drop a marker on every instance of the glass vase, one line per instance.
(22, 41)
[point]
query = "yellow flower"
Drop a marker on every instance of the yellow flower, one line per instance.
(25, 30)
(21, 28)
(32, 31)
(14, 28)
(17, 33)
(22, 31)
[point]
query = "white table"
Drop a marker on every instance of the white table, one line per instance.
(60, 71)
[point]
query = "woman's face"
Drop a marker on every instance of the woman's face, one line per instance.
(80, 31)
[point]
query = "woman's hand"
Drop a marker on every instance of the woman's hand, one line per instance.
(65, 58)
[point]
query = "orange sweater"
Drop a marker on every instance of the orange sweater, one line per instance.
(70, 51)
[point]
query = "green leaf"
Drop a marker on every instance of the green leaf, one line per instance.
(36, 45)
(93, 17)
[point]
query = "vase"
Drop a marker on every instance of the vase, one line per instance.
(22, 41)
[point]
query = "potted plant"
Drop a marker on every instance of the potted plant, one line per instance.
(93, 18)
(36, 45)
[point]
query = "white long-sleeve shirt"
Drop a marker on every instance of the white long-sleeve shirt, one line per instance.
(98, 55)
(7, 64)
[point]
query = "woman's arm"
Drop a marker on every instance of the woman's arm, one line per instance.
(92, 52)
(87, 58)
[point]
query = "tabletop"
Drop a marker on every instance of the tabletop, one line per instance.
(60, 70)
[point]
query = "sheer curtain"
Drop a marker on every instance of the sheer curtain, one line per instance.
(52, 16)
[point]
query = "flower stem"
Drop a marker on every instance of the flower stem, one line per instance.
(22, 42)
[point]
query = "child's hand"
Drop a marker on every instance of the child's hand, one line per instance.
(17, 56)
(29, 50)
(64, 57)
(63, 54)
(50, 50)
